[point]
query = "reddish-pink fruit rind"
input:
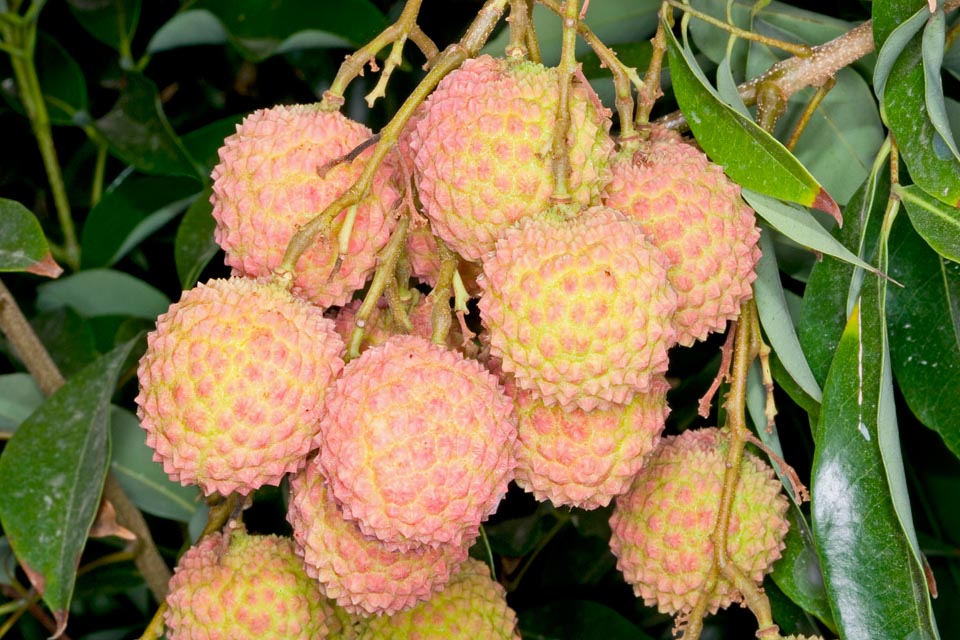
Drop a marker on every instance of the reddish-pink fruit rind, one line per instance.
(232, 384)
(472, 606)
(282, 168)
(580, 310)
(234, 586)
(481, 149)
(661, 527)
(416, 442)
(586, 458)
(695, 215)
(358, 571)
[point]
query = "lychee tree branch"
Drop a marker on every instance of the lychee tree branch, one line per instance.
(37, 359)
(651, 84)
(440, 321)
(801, 50)
(624, 77)
(451, 58)
(520, 22)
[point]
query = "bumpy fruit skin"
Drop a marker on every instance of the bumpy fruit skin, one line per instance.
(416, 442)
(357, 571)
(695, 215)
(472, 606)
(662, 525)
(482, 148)
(585, 458)
(246, 587)
(232, 384)
(276, 173)
(579, 310)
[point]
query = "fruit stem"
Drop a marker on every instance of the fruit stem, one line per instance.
(623, 76)
(812, 106)
(20, 38)
(746, 349)
(791, 47)
(533, 45)
(386, 268)
(651, 81)
(519, 20)
(568, 67)
(353, 66)
(38, 362)
(440, 320)
(426, 45)
(452, 57)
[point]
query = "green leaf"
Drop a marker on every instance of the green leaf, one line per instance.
(195, 246)
(801, 227)
(143, 479)
(130, 212)
(19, 397)
(840, 141)
(102, 292)
(893, 46)
(749, 155)
(932, 46)
(62, 84)
(566, 619)
(23, 247)
(937, 223)
(517, 537)
(68, 338)
(798, 572)
(613, 21)
(53, 470)
(8, 563)
(924, 322)
(138, 133)
(861, 524)
(259, 30)
(777, 324)
(112, 22)
(932, 165)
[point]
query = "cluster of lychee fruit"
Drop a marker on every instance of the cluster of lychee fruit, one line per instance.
(396, 457)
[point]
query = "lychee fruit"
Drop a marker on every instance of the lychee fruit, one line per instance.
(416, 442)
(471, 606)
(585, 458)
(579, 309)
(357, 571)
(232, 384)
(662, 525)
(282, 168)
(694, 214)
(246, 587)
(482, 148)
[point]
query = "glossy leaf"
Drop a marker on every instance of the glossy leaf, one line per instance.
(893, 47)
(204, 143)
(23, 247)
(112, 22)
(144, 480)
(748, 154)
(924, 323)
(776, 321)
(259, 30)
(798, 572)
(825, 307)
(102, 292)
(932, 46)
(53, 470)
(938, 223)
(194, 246)
(61, 80)
(874, 579)
(137, 131)
(68, 338)
(566, 619)
(130, 212)
(801, 227)
(931, 164)
(613, 21)
(19, 397)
